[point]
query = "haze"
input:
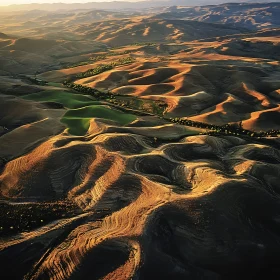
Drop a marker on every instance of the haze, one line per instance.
(9, 2)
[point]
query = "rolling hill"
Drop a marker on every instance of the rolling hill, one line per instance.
(247, 15)
(138, 30)
(140, 144)
(45, 48)
(31, 55)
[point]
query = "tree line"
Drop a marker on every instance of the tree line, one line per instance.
(106, 67)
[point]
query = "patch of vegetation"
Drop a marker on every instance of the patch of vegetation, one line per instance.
(95, 71)
(67, 99)
(78, 120)
(87, 90)
(145, 44)
(104, 56)
(98, 57)
(53, 84)
(105, 67)
(124, 61)
(35, 81)
(227, 129)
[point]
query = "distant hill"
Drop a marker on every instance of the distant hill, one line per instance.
(130, 31)
(3, 36)
(119, 5)
(249, 15)
(26, 55)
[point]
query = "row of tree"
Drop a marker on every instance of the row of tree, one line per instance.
(104, 56)
(105, 67)
(229, 129)
(87, 90)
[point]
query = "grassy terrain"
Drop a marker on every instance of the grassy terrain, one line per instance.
(54, 84)
(82, 108)
(68, 99)
(78, 120)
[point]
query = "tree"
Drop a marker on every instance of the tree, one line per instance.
(240, 125)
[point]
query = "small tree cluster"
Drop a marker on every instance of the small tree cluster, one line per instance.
(106, 67)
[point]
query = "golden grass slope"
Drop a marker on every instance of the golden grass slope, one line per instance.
(168, 196)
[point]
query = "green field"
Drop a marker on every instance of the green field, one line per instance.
(82, 108)
(68, 99)
(78, 120)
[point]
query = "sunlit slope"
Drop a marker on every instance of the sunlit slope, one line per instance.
(147, 192)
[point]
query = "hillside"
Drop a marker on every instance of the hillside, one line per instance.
(29, 55)
(138, 30)
(3, 36)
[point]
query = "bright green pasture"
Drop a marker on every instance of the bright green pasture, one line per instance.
(78, 120)
(68, 99)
